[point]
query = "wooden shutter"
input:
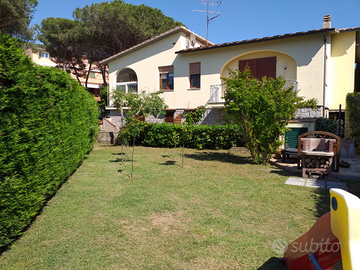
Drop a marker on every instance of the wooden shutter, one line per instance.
(291, 136)
(169, 117)
(177, 120)
(260, 67)
(168, 69)
(194, 68)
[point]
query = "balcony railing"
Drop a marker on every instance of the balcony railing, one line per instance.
(292, 83)
(216, 93)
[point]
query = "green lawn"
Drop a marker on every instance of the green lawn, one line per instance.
(220, 211)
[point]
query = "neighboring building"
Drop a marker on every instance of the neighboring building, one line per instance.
(41, 58)
(319, 63)
(95, 81)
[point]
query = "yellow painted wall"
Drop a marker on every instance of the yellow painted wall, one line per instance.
(341, 69)
(41, 60)
(281, 60)
(303, 55)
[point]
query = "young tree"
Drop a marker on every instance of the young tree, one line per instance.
(192, 118)
(15, 18)
(138, 106)
(262, 109)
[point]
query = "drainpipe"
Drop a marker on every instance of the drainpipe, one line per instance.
(324, 87)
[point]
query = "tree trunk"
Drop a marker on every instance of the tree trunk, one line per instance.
(183, 154)
(132, 165)
(122, 158)
(76, 73)
(87, 75)
(103, 73)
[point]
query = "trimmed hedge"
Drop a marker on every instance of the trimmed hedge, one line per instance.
(48, 123)
(353, 111)
(200, 137)
(326, 124)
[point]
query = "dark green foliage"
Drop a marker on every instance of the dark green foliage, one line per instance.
(353, 111)
(200, 137)
(15, 18)
(104, 101)
(195, 116)
(325, 124)
(48, 123)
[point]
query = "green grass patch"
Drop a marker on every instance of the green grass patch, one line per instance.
(220, 211)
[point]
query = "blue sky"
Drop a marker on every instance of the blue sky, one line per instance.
(239, 20)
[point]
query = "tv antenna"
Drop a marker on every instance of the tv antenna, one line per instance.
(208, 19)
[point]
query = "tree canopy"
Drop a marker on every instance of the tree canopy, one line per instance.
(117, 26)
(15, 18)
(101, 30)
(63, 39)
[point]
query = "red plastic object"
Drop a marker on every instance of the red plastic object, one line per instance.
(320, 241)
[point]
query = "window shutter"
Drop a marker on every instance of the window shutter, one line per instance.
(260, 67)
(194, 68)
(168, 69)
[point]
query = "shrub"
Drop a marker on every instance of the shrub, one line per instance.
(262, 109)
(353, 110)
(200, 137)
(48, 122)
(325, 124)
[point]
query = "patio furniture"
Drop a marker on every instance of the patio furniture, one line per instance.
(305, 145)
(287, 152)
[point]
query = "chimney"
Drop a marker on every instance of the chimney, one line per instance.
(327, 21)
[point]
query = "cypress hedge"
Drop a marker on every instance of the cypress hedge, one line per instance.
(48, 123)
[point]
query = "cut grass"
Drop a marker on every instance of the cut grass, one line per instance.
(220, 211)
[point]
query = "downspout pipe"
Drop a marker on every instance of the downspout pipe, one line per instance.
(324, 79)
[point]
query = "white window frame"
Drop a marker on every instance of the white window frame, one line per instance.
(126, 84)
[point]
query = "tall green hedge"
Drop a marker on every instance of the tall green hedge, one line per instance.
(199, 137)
(48, 122)
(353, 111)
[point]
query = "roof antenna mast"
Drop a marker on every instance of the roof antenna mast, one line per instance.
(208, 19)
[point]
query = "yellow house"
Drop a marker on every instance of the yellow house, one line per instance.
(95, 80)
(319, 63)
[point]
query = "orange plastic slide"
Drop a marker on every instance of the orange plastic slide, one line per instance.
(335, 237)
(320, 241)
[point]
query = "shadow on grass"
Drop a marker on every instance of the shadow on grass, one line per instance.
(169, 162)
(222, 157)
(273, 263)
(118, 160)
(322, 200)
(281, 172)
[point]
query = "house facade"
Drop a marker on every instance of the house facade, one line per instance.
(320, 64)
(95, 81)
